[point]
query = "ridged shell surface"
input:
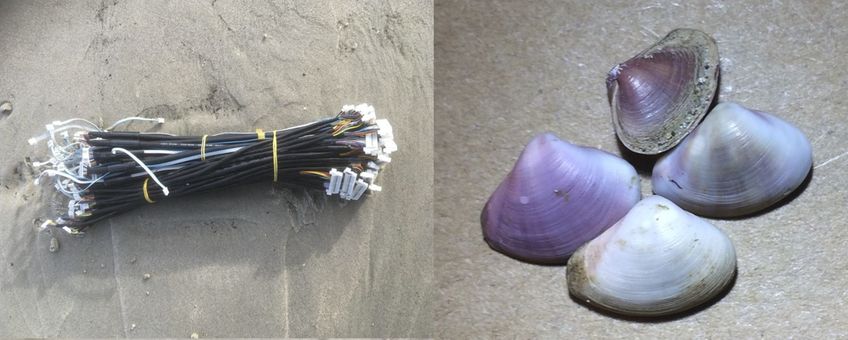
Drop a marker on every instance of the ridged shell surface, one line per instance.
(658, 96)
(657, 260)
(557, 197)
(737, 162)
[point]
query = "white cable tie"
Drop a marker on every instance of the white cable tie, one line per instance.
(143, 166)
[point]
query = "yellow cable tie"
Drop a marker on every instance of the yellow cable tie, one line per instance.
(144, 189)
(203, 147)
(260, 135)
(274, 146)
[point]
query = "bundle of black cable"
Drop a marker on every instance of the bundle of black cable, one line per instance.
(106, 173)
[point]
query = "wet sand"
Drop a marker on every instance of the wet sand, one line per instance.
(252, 261)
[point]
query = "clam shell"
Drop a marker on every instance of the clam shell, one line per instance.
(657, 260)
(737, 162)
(658, 96)
(557, 197)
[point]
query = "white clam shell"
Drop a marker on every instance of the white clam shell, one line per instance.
(657, 260)
(737, 162)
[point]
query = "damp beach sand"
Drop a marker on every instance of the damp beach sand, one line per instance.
(249, 261)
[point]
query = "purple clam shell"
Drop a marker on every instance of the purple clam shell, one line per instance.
(658, 96)
(557, 197)
(737, 162)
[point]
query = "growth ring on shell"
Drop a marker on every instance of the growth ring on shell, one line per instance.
(557, 197)
(657, 260)
(658, 96)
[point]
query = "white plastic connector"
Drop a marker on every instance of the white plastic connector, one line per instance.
(368, 175)
(347, 183)
(383, 158)
(385, 128)
(389, 146)
(368, 113)
(372, 146)
(375, 188)
(358, 190)
(335, 182)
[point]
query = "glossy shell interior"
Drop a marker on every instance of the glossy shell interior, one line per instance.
(659, 96)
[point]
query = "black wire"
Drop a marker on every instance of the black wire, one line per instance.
(312, 147)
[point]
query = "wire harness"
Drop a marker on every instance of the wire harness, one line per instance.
(103, 172)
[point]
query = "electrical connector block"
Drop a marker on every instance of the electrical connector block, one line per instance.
(358, 190)
(335, 182)
(372, 144)
(384, 128)
(389, 146)
(348, 182)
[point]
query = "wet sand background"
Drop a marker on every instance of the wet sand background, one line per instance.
(508, 70)
(251, 261)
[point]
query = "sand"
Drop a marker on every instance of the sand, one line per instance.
(249, 261)
(506, 71)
